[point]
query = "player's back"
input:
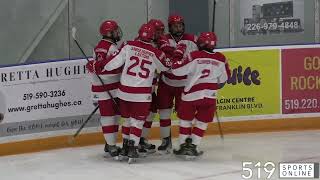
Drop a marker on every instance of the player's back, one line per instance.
(206, 71)
(141, 62)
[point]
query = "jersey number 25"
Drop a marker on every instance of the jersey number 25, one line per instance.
(144, 72)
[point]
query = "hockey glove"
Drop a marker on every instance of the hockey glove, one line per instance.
(179, 51)
(95, 66)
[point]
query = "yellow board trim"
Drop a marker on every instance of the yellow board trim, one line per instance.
(252, 126)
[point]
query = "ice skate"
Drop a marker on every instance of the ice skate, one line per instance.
(148, 147)
(113, 151)
(132, 152)
(188, 151)
(142, 152)
(166, 146)
(124, 150)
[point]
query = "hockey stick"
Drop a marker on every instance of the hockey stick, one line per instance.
(214, 15)
(74, 30)
(71, 140)
(219, 126)
(218, 120)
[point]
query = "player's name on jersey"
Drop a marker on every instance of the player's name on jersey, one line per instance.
(141, 52)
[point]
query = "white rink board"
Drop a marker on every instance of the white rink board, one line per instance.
(62, 83)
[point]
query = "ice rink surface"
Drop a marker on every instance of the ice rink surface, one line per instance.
(222, 160)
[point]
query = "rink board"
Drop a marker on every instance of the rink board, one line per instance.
(272, 88)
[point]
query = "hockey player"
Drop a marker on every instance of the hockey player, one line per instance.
(205, 70)
(171, 86)
(144, 144)
(161, 42)
(140, 60)
(111, 34)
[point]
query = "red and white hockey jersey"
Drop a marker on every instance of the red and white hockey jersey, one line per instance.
(204, 72)
(111, 79)
(155, 79)
(140, 60)
(190, 41)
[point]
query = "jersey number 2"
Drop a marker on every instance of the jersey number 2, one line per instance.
(145, 72)
(205, 73)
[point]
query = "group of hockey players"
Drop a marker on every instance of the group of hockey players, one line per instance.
(155, 73)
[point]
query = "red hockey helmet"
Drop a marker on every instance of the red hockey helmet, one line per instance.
(146, 32)
(175, 19)
(207, 40)
(158, 24)
(108, 26)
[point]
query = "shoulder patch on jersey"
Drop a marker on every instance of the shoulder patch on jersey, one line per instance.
(168, 63)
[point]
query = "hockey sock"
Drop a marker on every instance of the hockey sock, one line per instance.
(184, 130)
(126, 128)
(110, 128)
(198, 131)
(147, 125)
(136, 130)
(165, 122)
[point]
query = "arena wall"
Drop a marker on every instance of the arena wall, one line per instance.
(275, 88)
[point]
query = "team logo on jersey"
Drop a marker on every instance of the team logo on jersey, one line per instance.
(115, 53)
(168, 62)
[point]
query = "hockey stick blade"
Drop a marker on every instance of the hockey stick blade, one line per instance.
(73, 32)
(72, 138)
(219, 127)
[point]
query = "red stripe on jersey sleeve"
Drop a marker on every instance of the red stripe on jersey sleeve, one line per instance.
(173, 77)
(203, 86)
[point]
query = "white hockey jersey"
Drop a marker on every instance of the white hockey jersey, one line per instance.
(190, 41)
(111, 79)
(204, 72)
(140, 60)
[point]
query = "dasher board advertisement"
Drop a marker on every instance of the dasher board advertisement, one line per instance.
(44, 97)
(267, 17)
